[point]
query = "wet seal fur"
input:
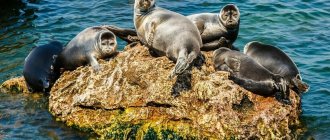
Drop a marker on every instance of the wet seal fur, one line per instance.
(278, 62)
(167, 33)
(89, 45)
(218, 30)
(249, 74)
(41, 69)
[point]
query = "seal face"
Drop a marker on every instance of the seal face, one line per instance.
(89, 45)
(41, 69)
(167, 34)
(248, 73)
(278, 62)
(218, 30)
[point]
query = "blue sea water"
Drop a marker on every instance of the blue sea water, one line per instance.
(301, 28)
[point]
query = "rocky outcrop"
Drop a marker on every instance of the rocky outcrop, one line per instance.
(131, 98)
(14, 85)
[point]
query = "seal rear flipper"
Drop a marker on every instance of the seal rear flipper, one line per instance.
(180, 67)
(128, 35)
(299, 86)
(282, 92)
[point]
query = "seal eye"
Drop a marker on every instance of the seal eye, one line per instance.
(103, 44)
(112, 44)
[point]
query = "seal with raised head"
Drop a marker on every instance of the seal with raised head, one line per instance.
(278, 62)
(218, 30)
(41, 69)
(167, 33)
(248, 73)
(87, 47)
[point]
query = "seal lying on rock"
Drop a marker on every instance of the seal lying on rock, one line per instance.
(276, 61)
(248, 73)
(41, 69)
(89, 45)
(218, 30)
(167, 34)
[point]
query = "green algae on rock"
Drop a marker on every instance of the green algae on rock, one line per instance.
(131, 98)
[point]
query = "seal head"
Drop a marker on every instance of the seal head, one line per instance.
(230, 16)
(107, 43)
(144, 5)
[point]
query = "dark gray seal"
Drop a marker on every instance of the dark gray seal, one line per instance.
(276, 61)
(87, 47)
(249, 74)
(167, 33)
(41, 69)
(218, 30)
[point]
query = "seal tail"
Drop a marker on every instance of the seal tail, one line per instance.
(299, 85)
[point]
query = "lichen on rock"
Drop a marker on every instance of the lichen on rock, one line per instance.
(131, 97)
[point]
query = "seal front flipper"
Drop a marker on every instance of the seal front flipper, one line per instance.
(95, 65)
(222, 42)
(150, 35)
(265, 88)
(207, 46)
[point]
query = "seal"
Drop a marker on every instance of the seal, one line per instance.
(278, 62)
(87, 47)
(167, 33)
(218, 30)
(41, 69)
(249, 74)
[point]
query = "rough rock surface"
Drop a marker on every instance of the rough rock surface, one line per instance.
(131, 98)
(14, 85)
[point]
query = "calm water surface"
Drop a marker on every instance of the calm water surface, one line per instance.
(300, 27)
